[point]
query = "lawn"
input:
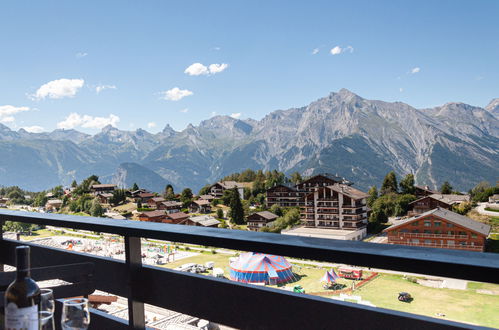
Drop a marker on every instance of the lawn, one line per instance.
(37, 234)
(463, 306)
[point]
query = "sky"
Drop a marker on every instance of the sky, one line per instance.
(145, 64)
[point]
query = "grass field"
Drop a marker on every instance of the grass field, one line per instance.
(459, 305)
(37, 234)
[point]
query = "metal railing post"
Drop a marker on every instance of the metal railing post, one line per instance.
(2, 222)
(133, 255)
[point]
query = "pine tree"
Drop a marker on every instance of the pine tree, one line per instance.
(96, 209)
(446, 188)
(296, 178)
(236, 208)
(74, 184)
(373, 195)
(135, 187)
(407, 184)
(389, 184)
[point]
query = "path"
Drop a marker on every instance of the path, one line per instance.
(481, 209)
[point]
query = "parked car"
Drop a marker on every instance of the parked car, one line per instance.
(405, 297)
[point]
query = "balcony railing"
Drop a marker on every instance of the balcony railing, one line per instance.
(427, 235)
(443, 246)
(241, 305)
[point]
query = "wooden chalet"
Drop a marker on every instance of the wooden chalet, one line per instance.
(440, 228)
(338, 206)
(427, 203)
(422, 191)
(53, 205)
(104, 197)
(144, 197)
(209, 198)
(170, 206)
(135, 193)
(260, 219)
(103, 188)
(200, 206)
(217, 189)
(153, 216)
(201, 220)
(155, 202)
(282, 195)
(176, 218)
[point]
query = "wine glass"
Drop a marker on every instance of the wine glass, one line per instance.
(46, 320)
(75, 314)
(47, 301)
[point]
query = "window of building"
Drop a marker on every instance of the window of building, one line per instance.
(462, 233)
(462, 243)
(437, 223)
(428, 241)
(450, 225)
(415, 241)
(415, 231)
(415, 223)
(427, 223)
(438, 232)
(450, 232)
(450, 243)
(473, 235)
(427, 231)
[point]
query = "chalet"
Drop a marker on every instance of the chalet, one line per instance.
(336, 207)
(53, 205)
(200, 206)
(153, 216)
(217, 189)
(155, 202)
(104, 197)
(287, 196)
(494, 199)
(422, 191)
(170, 206)
(260, 219)
(427, 203)
(201, 220)
(209, 198)
(3, 201)
(440, 228)
(282, 195)
(176, 218)
(135, 193)
(102, 188)
(144, 197)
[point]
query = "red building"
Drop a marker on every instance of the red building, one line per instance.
(440, 228)
(155, 202)
(152, 216)
(427, 203)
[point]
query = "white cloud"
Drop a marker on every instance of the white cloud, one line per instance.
(7, 113)
(81, 54)
(198, 69)
(184, 110)
(8, 119)
(151, 124)
(100, 88)
(86, 121)
(176, 94)
(236, 115)
(34, 129)
(415, 70)
(216, 48)
(217, 68)
(315, 51)
(401, 89)
(57, 89)
(336, 50)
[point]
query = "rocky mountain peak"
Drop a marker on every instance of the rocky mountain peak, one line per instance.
(493, 107)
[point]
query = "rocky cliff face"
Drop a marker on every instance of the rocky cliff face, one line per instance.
(341, 133)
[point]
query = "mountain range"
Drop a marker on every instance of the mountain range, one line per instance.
(341, 133)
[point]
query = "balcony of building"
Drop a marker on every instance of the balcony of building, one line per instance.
(237, 304)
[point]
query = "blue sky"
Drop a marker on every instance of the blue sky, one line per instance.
(55, 54)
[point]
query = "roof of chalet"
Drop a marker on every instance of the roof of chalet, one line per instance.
(171, 203)
(426, 188)
(153, 214)
(54, 201)
(450, 216)
(348, 190)
(201, 202)
(103, 185)
(105, 195)
(267, 215)
(448, 199)
(231, 184)
(494, 197)
(207, 197)
(177, 215)
(157, 199)
(205, 220)
(146, 194)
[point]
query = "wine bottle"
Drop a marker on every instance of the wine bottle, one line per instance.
(22, 298)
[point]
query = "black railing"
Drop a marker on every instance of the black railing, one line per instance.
(241, 305)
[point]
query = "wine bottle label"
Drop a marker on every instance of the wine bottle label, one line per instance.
(25, 318)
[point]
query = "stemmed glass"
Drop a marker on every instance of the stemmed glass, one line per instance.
(75, 314)
(47, 307)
